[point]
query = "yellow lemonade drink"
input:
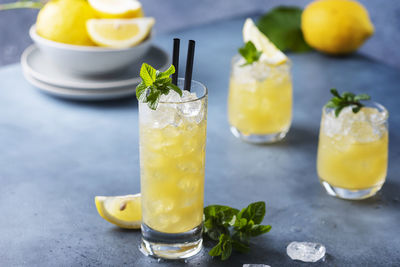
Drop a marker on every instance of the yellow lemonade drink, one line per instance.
(172, 175)
(260, 98)
(260, 89)
(353, 151)
(172, 161)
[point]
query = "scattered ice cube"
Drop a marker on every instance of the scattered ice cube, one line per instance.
(306, 251)
(255, 265)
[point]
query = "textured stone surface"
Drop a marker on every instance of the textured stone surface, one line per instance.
(173, 15)
(57, 155)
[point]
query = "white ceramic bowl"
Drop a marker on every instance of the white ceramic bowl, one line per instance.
(88, 60)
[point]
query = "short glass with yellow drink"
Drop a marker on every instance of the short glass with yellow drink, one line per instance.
(172, 160)
(353, 151)
(260, 100)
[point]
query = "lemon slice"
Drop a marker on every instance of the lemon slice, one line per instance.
(117, 9)
(124, 211)
(272, 54)
(119, 33)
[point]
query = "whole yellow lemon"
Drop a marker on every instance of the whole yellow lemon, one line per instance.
(64, 21)
(336, 26)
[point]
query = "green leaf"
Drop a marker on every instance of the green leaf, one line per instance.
(338, 110)
(148, 74)
(282, 25)
(334, 92)
(169, 71)
(216, 250)
(356, 109)
(362, 97)
(259, 230)
(255, 211)
(153, 98)
(225, 213)
(239, 246)
(226, 249)
(249, 53)
(140, 91)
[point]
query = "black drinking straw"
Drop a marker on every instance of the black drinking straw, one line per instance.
(189, 65)
(175, 60)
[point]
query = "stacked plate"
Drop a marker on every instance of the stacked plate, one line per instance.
(45, 76)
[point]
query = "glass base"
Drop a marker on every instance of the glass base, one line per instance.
(171, 246)
(259, 138)
(350, 194)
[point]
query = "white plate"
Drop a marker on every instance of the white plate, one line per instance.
(38, 67)
(81, 94)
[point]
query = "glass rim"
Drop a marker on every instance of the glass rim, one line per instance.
(381, 108)
(191, 100)
(237, 56)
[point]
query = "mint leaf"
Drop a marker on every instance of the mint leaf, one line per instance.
(141, 91)
(154, 84)
(254, 211)
(169, 71)
(223, 248)
(148, 74)
(239, 246)
(259, 230)
(282, 25)
(216, 250)
(339, 102)
(249, 53)
(226, 248)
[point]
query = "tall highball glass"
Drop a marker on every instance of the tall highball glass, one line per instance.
(172, 161)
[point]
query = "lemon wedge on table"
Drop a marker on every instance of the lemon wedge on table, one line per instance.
(262, 43)
(116, 9)
(119, 33)
(123, 211)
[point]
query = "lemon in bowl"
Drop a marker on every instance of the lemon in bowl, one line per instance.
(72, 36)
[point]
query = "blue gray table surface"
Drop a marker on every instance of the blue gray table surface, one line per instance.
(57, 155)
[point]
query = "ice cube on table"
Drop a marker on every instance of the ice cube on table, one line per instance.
(306, 251)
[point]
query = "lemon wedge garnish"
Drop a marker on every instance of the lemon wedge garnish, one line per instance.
(119, 33)
(124, 211)
(117, 9)
(271, 53)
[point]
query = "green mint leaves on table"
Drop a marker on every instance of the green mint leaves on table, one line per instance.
(154, 84)
(250, 53)
(232, 229)
(282, 25)
(339, 102)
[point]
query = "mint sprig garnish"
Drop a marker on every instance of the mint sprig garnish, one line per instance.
(250, 53)
(232, 229)
(154, 84)
(339, 102)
